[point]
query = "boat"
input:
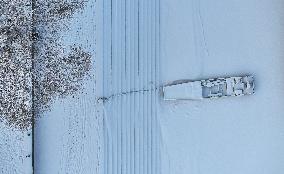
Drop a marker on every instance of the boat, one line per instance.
(209, 88)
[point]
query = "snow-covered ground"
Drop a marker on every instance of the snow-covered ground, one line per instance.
(68, 138)
(15, 151)
(203, 39)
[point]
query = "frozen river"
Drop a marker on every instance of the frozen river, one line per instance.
(118, 123)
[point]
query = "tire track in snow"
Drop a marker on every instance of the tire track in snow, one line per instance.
(131, 77)
(201, 45)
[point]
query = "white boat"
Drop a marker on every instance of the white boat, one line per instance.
(210, 88)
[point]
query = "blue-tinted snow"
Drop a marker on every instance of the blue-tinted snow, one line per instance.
(203, 39)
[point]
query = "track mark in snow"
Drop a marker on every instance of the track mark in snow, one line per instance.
(201, 45)
(105, 99)
(203, 29)
(131, 86)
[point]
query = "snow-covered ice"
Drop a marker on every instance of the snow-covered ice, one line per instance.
(201, 39)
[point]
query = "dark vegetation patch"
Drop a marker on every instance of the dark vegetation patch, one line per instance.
(35, 66)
